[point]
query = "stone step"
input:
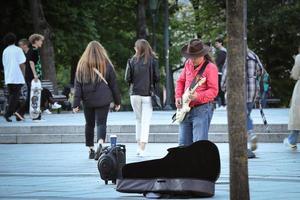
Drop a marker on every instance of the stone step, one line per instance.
(32, 138)
(68, 129)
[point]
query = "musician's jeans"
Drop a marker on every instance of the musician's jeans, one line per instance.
(293, 137)
(196, 124)
(142, 107)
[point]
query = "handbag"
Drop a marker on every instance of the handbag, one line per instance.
(156, 102)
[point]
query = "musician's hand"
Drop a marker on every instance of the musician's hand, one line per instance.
(193, 97)
(76, 110)
(178, 103)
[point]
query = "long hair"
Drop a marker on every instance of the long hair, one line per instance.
(143, 50)
(94, 56)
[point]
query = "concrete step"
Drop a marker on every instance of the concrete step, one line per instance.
(71, 129)
(32, 138)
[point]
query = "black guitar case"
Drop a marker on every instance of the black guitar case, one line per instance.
(189, 171)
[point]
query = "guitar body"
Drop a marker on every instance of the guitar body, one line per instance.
(181, 113)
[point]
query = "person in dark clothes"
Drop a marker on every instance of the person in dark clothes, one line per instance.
(96, 85)
(13, 60)
(220, 61)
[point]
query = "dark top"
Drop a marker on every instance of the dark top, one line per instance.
(28, 71)
(220, 59)
(34, 56)
(98, 94)
(138, 75)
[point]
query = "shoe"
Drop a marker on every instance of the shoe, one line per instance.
(47, 112)
(19, 117)
(91, 154)
(7, 118)
(288, 144)
(250, 154)
(253, 142)
(38, 120)
(98, 152)
(142, 153)
(56, 106)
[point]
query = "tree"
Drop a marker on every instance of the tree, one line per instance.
(142, 25)
(47, 52)
(236, 29)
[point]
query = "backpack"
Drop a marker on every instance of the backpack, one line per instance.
(111, 162)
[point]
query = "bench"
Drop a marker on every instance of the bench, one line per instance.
(60, 99)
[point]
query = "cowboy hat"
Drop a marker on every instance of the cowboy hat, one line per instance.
(195, 48)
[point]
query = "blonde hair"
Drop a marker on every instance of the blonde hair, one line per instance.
(35, 37)
(94, 56)
(143, 50)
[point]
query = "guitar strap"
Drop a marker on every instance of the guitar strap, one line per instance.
(200, 73)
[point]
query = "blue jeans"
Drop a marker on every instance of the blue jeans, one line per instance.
(196, 124)
(293, 137)
(249, 120)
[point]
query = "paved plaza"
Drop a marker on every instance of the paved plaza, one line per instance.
(62, 171)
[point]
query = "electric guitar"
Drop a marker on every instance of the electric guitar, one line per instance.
(181, 112)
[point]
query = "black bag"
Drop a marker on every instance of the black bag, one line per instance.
(111, 162)
(156, 102)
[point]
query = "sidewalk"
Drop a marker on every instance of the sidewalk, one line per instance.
(62, 171)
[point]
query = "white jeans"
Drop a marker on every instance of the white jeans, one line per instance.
(142, 107)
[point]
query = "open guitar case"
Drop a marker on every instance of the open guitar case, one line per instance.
(185, 172)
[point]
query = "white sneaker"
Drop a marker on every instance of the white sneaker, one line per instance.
(38, 120)
(142, 153)
(47, 112)
(56, 106)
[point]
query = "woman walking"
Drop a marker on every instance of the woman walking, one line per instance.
(294, 116)
(96, 86)
(142, 74)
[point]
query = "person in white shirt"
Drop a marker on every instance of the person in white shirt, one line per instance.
(13, 59)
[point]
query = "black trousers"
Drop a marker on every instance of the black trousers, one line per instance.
(13, 98)
(221, 94)
(95, 115)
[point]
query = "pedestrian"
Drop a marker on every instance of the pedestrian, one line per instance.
(196, 124)
(254, 69)
(34, 72)
(142, 74)
(13, 60)
(96, 86)
(220, 58)
(294, 115)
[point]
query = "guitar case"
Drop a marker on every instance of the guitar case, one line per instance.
(185, 172)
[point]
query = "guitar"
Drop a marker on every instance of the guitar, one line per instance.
(181, 112)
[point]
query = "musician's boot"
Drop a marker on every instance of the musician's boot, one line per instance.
(253, 141)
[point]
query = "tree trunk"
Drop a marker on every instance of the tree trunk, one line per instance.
(236, 20)
(196, 5)
(47, 51)
(169, 80)
(142, 25)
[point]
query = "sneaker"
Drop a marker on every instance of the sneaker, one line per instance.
(250, 154)
(38, 120)
(56, 106)
(98, 152)
(138, 151)
(7, 118)
(287, 143)
(253, 142)
(47, 112)
(91, 154)
(142, 153)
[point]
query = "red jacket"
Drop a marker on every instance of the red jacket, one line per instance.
(207, 91)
